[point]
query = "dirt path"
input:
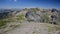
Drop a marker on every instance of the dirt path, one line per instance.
(31, 28)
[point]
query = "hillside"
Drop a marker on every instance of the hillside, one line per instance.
(30, 21)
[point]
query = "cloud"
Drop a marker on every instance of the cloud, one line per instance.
(15, 0)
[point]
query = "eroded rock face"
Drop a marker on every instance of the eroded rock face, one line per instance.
(38, 16)
(43, 16)
(31, 16)
(54, 16)
(54, 10)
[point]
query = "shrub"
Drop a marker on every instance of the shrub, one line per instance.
(2, 22)
(20, 17)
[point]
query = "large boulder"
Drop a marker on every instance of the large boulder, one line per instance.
(32, 16)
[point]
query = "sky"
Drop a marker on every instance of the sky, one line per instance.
(30, 4)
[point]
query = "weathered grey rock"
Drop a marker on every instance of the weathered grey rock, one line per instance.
(31, 16)
(43, 16)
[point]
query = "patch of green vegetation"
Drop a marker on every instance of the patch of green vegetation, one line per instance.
(14, 26)
(54, 28)
(20, 17)
(11, 20)
(58, 32)
(35, 10)
(58, 18)
(35, 32)
(2, 22)
(47, 18)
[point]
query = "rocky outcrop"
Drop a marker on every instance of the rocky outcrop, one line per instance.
(31, 16)
(43, 16)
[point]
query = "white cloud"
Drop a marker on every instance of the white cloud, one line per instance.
(15, 0)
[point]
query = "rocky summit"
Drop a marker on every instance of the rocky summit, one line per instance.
(30, 21)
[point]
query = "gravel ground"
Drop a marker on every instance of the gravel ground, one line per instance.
(33, 28)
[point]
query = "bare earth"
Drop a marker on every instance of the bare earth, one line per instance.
(33, 28)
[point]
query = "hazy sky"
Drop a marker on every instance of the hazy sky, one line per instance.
(30, 3)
